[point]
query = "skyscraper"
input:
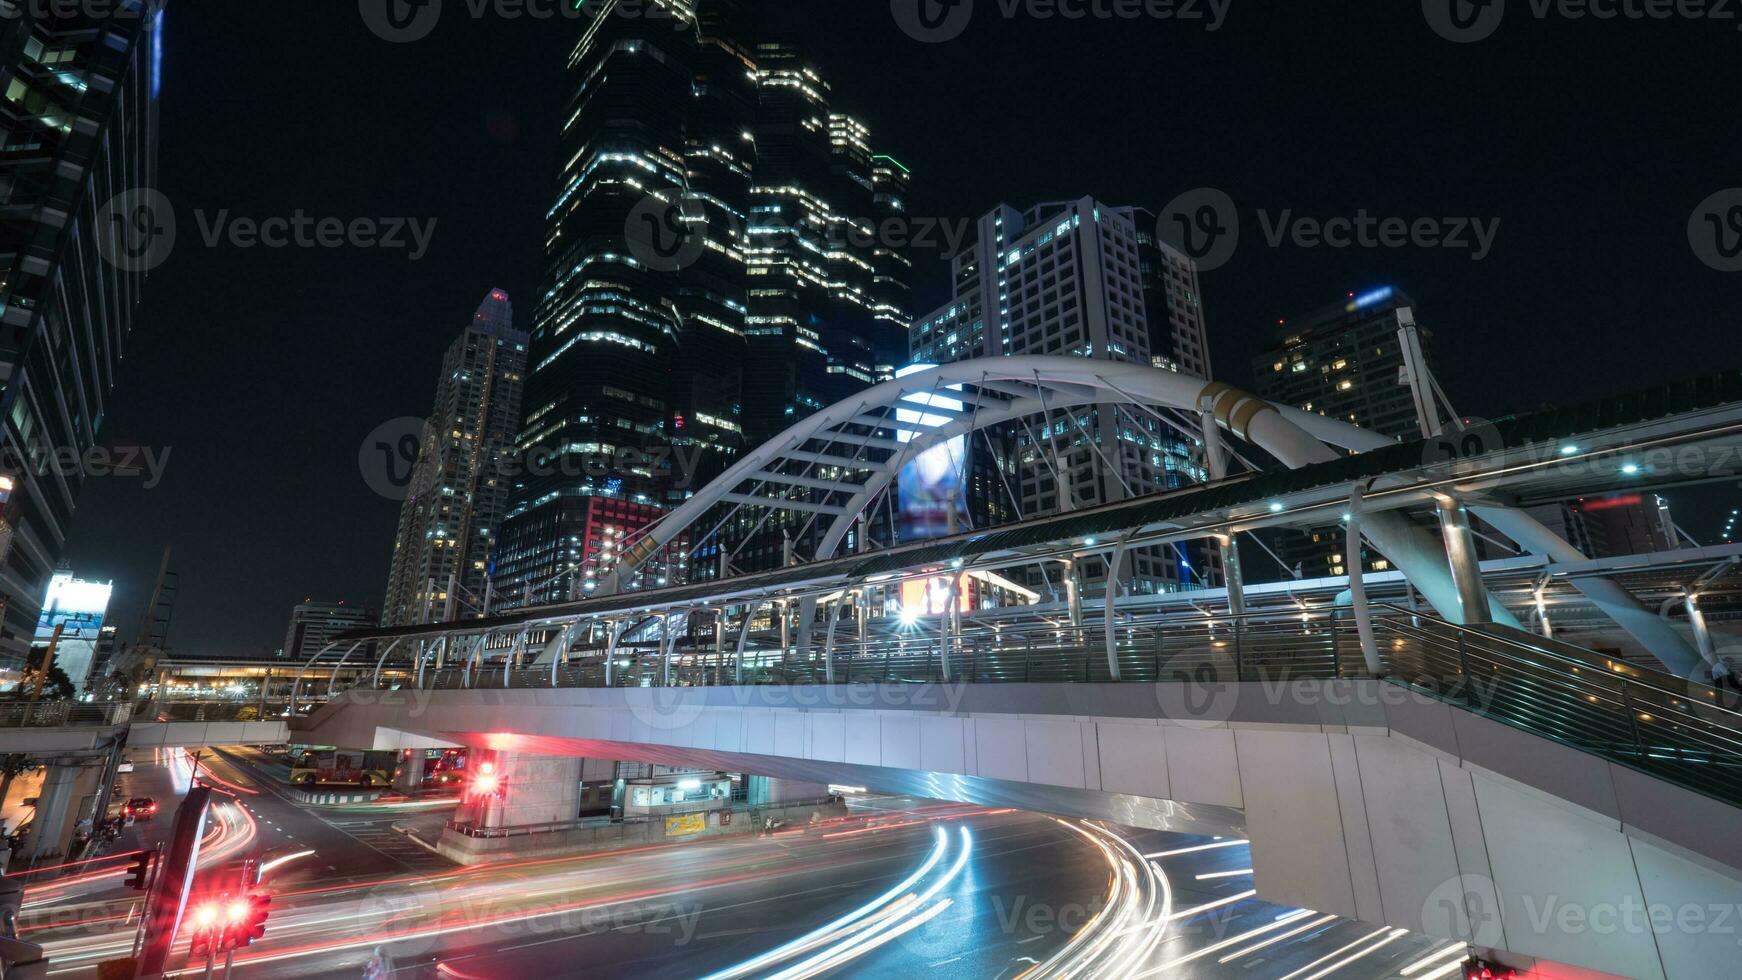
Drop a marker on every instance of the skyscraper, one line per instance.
(705, 285)
(458, 494)
(1344, 361)
(80, 230)
(1066, 278)
(637, 350)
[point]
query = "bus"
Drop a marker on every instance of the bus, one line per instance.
(342, 767)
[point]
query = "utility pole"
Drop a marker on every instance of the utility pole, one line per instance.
(47, 662)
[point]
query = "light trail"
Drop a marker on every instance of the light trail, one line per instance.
(823, 934)
(856, 946)
(1358, 954)
(1197, 848)
(1248, 951)
(1129, 928)
(1213, 875)
(1435, 956)
(1333, 954)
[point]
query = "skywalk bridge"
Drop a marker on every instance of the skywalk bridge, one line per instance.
(1385, 741)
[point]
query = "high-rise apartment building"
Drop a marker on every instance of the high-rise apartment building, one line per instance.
(1345, 361)
(1069, 279)
(81, 228)
(772, 303)
(458, 495)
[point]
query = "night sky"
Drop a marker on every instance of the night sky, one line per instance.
(261, 371)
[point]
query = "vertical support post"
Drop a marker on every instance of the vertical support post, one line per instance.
(1702, 635)
(947, 624)
(1542, 609)
(1358, 587)
(1073, 594)
(1466, 571)
(1215, 454)
(1415, 369)
(1110, 624)
(615, 632)
(719, 642)
(665, 641)
(743, 641)
(1233, 576)
(829, 640)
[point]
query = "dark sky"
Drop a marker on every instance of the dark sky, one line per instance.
(261, 371)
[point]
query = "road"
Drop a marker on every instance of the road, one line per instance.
(900, 886)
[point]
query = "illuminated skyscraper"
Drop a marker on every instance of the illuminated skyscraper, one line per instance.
(696, 299)
(1064, 278)
(458, 494)
(80, 230)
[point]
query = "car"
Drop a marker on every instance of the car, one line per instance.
(139, 808)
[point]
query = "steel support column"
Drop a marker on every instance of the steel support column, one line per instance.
(1461, 554)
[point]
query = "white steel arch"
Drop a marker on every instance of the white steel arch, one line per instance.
(836, 463)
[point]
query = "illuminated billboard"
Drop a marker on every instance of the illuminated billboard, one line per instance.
(77, 607)
(933, 484)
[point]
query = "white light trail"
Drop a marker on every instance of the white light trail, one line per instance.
(1197, 848)
(1433, 957)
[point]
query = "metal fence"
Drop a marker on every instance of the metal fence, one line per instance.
(1682, 732)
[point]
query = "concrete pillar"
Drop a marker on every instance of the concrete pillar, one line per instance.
(1466, 569)
(408, 771)
(52, 828)
(535, 789)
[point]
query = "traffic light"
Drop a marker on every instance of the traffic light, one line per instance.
(1479, 969)
(206, 926)
(140, 872)
(253, 925)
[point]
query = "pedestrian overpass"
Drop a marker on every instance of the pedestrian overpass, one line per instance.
(1430, 748)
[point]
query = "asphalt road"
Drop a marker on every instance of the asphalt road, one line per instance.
(900, 887)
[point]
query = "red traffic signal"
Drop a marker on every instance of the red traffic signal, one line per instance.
(205, 926)
(140, 871)
(248, 922)
(1475, 969)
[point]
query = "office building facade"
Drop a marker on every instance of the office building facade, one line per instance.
(314, 626)
(667, 362)
(1068, 279)
(78, 236)
(445, 549)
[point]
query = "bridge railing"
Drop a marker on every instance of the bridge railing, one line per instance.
(1687, 733)
(63, 714)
